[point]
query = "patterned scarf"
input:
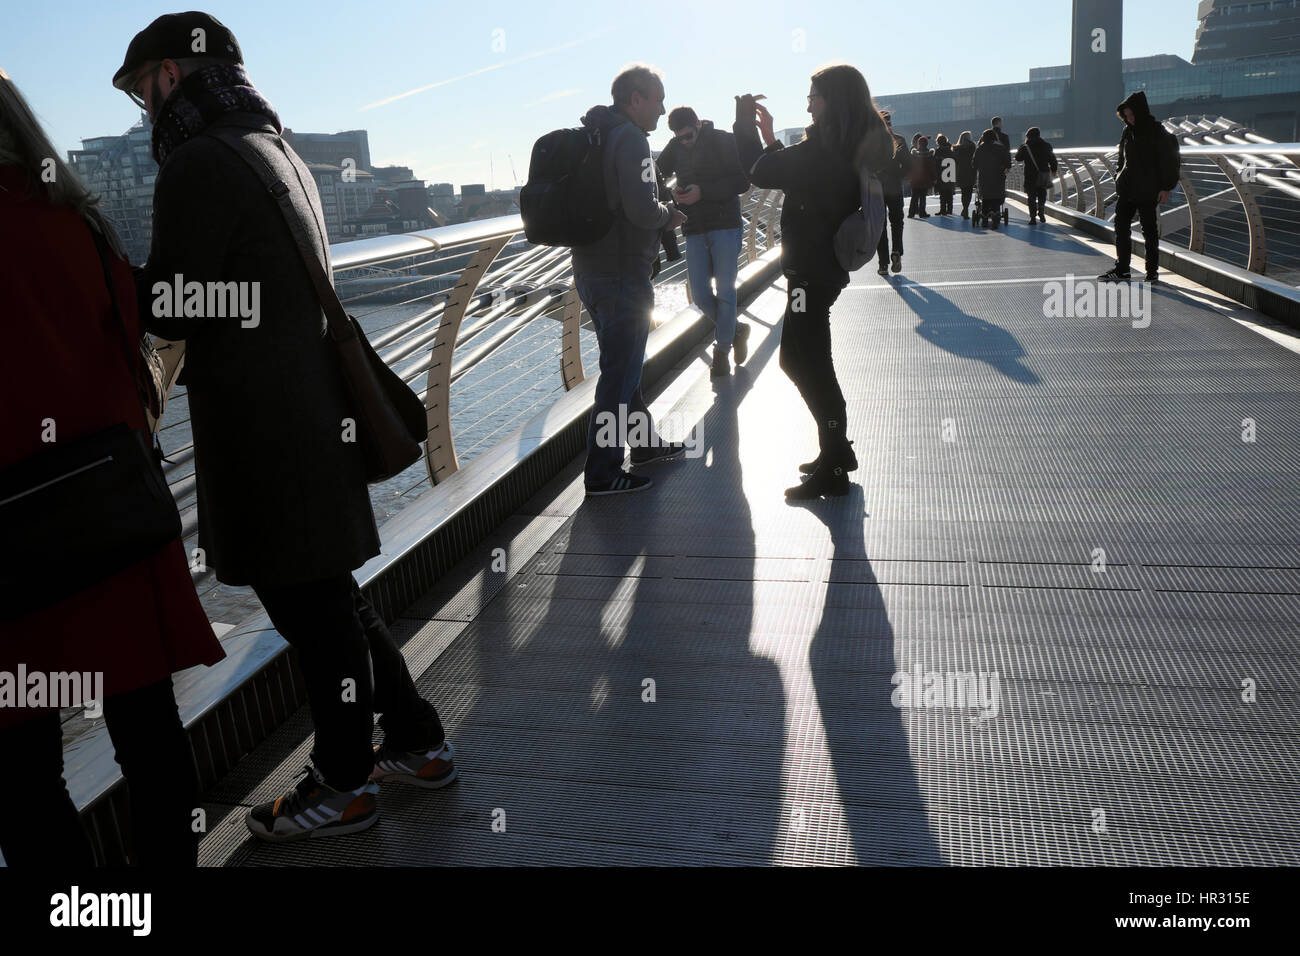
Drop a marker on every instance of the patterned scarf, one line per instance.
(199, 99)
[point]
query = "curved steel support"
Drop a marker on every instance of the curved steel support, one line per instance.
(571, 341)
(1114, 181)
(1098, 204)
(1078, 189)
(439, 448)
(772, 217)
(1196, 243)
(1258, 259)
(750, 252)
(173, 360)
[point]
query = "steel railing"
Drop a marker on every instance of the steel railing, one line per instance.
(1238, 198)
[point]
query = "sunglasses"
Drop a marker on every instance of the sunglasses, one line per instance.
(134, 93)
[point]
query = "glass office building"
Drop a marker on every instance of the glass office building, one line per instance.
(1260, 92)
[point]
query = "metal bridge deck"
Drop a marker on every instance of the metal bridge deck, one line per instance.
(1125, 731)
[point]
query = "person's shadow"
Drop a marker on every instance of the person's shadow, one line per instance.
(852, 662)
(640, 725)
(945, 325)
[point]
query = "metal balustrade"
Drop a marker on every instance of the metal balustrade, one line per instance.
(1238, 198)
(484, 326)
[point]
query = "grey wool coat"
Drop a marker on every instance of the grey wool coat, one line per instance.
(282, 497)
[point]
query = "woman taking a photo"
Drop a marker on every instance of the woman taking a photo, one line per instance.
(820, 178)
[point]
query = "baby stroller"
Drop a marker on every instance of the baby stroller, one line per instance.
(989, 208)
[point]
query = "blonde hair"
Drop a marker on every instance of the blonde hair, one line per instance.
(24, 144)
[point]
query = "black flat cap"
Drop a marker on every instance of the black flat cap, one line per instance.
(172, 37)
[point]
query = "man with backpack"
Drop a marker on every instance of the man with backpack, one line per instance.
(1040, 168)
(613, 278)
(709, 183)
(1148, 168)
(269, 409)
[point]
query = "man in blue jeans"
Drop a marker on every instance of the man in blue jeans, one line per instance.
(710, 180)
(613, 278)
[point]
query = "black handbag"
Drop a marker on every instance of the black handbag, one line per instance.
(81, 511)
(391, 419)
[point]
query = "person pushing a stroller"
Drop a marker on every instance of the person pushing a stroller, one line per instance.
(992, 160)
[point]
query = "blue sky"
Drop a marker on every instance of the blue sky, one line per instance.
(484, 96)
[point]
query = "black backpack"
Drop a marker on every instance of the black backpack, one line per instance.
(564, 202)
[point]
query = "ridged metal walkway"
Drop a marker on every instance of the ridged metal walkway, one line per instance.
(1147, 713)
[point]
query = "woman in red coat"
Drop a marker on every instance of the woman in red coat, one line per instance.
(63, 367)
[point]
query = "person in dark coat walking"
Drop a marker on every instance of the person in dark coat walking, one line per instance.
(945, 165)
(64, 366)
(282, 497)
(922, 177)
(964, 155)
(1147, 173)
(1039, 159)
(892, 176)
(821, 180)
(709, 184)
(992, 160)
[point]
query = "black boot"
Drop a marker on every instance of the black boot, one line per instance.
(850, 462)
(830, 480)
(830, 477)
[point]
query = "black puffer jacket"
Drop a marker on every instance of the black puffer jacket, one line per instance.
(822, 189)
(894, 172)
(964, 153)
(1037, 155)
(992, 160)
(1148, 154)
(714, 165)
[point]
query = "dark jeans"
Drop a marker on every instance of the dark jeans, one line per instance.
(339, 637)
(806, 351)
(39, 826)
(894, 206)
(918, 201)
(1148, 213)
(1037, 197)
(620, 308)
(945, 198)
(966, 192)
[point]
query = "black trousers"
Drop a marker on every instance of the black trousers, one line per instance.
(1148, 213)
(967, 190)
(1037, 198)
(894, 206)
(339, 638)
(39, 826)
(806, 351)
(918, 201)
(945, 198)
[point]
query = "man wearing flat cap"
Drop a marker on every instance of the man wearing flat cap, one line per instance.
(282, 498)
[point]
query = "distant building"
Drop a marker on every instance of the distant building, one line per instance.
(332, 149)
(1260, 91)
(391, 175)
(121, 171)
(1246, 31)
(343, 198)
(473, 189)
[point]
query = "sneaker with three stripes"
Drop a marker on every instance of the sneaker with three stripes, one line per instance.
(620, 484)
(314, 809)
(430, 769)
